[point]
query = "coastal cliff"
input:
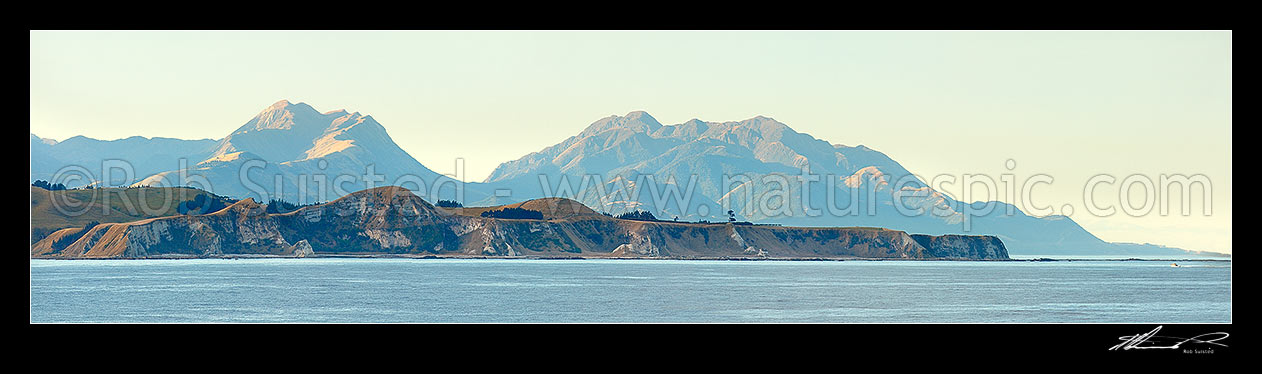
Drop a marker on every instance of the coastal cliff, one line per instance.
(393, 221)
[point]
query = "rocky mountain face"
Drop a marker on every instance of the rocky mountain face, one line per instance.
(393, 220)
(240, 228)
(288, 151)
(766, 172)
(296, 153)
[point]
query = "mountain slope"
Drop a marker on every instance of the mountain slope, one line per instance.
(55, 210)
(755, 166)
(294, 152)
(144, 156)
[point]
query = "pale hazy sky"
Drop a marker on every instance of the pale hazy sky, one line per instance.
(1068, 104)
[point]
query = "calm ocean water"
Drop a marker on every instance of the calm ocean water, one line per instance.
(452, 290)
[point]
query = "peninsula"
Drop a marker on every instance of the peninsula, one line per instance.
(392, 221)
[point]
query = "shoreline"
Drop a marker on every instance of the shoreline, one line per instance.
(546, 258)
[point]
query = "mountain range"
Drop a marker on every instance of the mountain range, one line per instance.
(616, 164)
(146, 156)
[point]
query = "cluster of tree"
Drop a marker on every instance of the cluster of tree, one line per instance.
(731, 219)
(200, 205)
(275, 206)
(515, 213)
(449, 204)
(638, 215)
(48, 186)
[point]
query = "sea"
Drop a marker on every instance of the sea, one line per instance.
(400, 290)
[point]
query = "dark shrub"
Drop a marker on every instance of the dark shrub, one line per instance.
(48, 186)
(275, 206)
(449, 204)
(514, 213)
(200, 204)
(638, 215)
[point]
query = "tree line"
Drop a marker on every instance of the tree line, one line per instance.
(513, 213)
(48, 186)
(200, 205)
(638, 215)
(277, 206)
(449, 204)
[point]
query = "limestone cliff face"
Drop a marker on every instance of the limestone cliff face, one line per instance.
(392, 220)
(242, 228)
(962, 246)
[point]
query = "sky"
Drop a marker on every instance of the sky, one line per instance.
(1067, 104)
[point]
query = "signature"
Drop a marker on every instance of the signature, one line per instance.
(1151, 340)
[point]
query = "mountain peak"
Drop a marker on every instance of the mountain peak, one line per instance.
(636, 121)
(641, 115)
(286, 105)
(281, 115)
(644, 117)
(45, 141)
(767, 125)
(284, 131)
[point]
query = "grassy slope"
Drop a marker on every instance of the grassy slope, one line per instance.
(552, 208)
(55, 210)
